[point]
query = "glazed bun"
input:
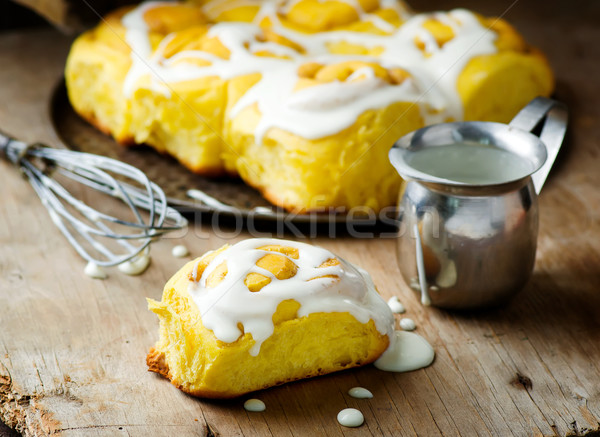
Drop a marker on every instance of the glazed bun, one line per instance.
(301, 99)
(264, 312)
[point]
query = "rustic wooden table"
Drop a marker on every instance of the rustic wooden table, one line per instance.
(72, 349)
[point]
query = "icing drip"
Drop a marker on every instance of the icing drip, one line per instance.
(395, 305)
(136, 36)
(93, 270)
(180, 251)
(137, 265)
(229, 303)
(408, 324)
(254, 405)
(350, 417)
(360, 393)
(434, 70)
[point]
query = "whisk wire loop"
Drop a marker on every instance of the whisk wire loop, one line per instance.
(81, 224)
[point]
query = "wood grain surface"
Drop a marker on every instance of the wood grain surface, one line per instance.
(72, 349)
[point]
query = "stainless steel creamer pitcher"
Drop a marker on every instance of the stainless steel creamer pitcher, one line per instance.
(468, 211)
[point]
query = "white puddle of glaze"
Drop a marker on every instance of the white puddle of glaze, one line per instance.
(407, 351)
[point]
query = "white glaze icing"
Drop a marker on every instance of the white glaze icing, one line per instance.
(414, 284)
(360, 393)
(254, 405)
(408, 324)
(395, 305)
(180, 251)
(407, 351)
(433, 86)
(137, 265)
(350, 417)
(136, 35)
(230, 302)
(93, 270)
(438, 243)
(215, 8)
(423, 286)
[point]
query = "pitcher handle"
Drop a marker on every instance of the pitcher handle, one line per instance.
(554, 116)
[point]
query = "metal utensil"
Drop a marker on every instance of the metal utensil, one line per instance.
(472, 243)
(98, 237)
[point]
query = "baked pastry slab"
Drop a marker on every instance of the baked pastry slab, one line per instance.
(290, 95)
(264, 312)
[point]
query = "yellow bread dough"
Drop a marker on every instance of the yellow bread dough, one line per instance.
(336, 171)
(95, 71)
(189, 96)
(199, 363)
(187, 122)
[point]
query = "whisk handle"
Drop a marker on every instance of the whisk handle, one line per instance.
(4, 142)
(13, 150)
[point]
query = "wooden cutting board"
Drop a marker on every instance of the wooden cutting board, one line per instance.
(72, 349)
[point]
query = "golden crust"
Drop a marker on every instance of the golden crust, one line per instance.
(156, 363)
(91, 118)
(155, 360)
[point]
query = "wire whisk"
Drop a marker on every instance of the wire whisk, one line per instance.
(98, 237)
